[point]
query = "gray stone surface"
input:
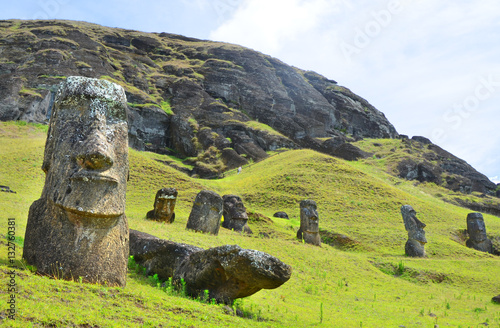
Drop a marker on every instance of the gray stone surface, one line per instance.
(206, 213)
(415, 246)
(477, 234)
(309, 223)
(235, 214)
(227, 272)
(78, 227)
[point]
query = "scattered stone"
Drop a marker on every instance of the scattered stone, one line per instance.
(227, 272)
(78, 228)
(281, 215)
(309, 223)
(6, 189)
(496, 299)
(477, 234)
(349, 152)
(164, 207)
(415, 246)
(235, 215)
(206, 213)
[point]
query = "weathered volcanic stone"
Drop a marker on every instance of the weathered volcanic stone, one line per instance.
(496, 299)
(281, 215)
(227, 272)
(309, 223)
(235, 214)
(415, 246)
(477, 234)
(206, 213)
(78, 227)
(164, 207)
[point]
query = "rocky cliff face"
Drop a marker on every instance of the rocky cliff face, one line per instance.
(218, 104)
(185, 96)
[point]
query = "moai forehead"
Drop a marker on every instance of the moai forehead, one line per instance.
(167, 193)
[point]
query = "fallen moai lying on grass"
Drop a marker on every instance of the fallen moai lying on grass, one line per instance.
(227, 272)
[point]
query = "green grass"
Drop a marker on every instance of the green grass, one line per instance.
(370, 286)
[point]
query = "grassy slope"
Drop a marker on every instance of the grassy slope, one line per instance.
(354, 288)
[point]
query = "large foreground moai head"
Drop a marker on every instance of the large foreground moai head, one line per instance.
(415, 246)
(206, 213)
(309, 223)
(164, 207)
(78, 227)
(235, 214)
(477, 233)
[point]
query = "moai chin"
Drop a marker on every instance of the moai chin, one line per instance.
(164, 207)
(309, 223)
(477, 234)
(206, 213)
(415, 246)
(235, 214)
(78, 229)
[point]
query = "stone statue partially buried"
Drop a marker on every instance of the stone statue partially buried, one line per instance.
(477, 233)
(164, 207)
(235, 214)
(206, 213)
(309, 223)
(415, 246)
(78, 227)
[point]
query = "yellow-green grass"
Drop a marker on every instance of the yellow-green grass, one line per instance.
(358, 288)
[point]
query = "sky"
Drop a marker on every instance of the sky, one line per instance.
(432, 67)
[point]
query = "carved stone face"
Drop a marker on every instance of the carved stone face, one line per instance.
(234, 208)
(476, 227)
(86, 153)
(165, 202)
(413, 225)
(309, 218)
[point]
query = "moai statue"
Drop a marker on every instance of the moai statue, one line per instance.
(164, 206)
(415, 246)
(78, 229)
(235, 214)
(477, 234)
(206, 213)
(309, 223)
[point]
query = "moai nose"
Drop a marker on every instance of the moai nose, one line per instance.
(95, 154)
(95, 161)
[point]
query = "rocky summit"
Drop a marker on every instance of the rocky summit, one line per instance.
(185, 96)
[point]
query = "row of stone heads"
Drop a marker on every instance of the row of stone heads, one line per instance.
(208, 208)
(415, 246)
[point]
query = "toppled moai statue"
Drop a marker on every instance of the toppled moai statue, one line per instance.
(235, 214)
(206, 213)
(164, 207)
(227, 272)
(415, 246)
(477, 234)
(309, 223)
(78, 229)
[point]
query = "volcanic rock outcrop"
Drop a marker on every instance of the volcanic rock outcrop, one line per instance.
(78, 228)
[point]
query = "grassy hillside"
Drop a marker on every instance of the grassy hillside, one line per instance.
(372, 285)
